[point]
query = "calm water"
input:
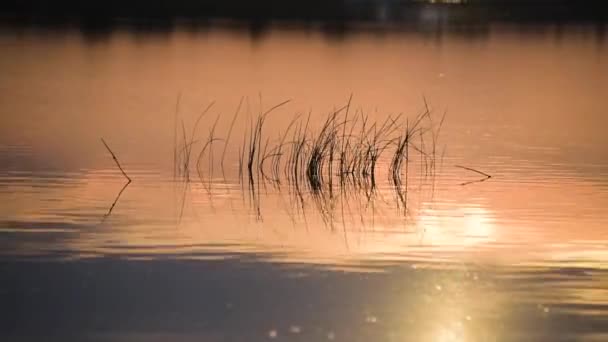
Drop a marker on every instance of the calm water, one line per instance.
(520, 256)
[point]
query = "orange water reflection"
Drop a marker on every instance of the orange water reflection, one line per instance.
(524, 108)
(446, 228)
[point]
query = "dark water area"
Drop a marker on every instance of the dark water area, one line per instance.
(194, 249)
(245, 299)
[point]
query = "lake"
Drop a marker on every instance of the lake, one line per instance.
(492, 228)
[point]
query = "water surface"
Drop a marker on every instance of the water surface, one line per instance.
(519, 256)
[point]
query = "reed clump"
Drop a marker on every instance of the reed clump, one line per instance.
(344, 151)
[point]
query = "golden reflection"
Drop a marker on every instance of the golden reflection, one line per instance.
(463, 227)
(447, 323)
(452, 307)
(451, 333)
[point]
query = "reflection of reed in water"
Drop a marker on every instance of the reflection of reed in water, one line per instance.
(342, 156)
(124, 186)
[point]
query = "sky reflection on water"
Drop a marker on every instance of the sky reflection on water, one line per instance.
(519, 256)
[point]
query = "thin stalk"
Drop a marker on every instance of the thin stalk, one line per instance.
(116, 160)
